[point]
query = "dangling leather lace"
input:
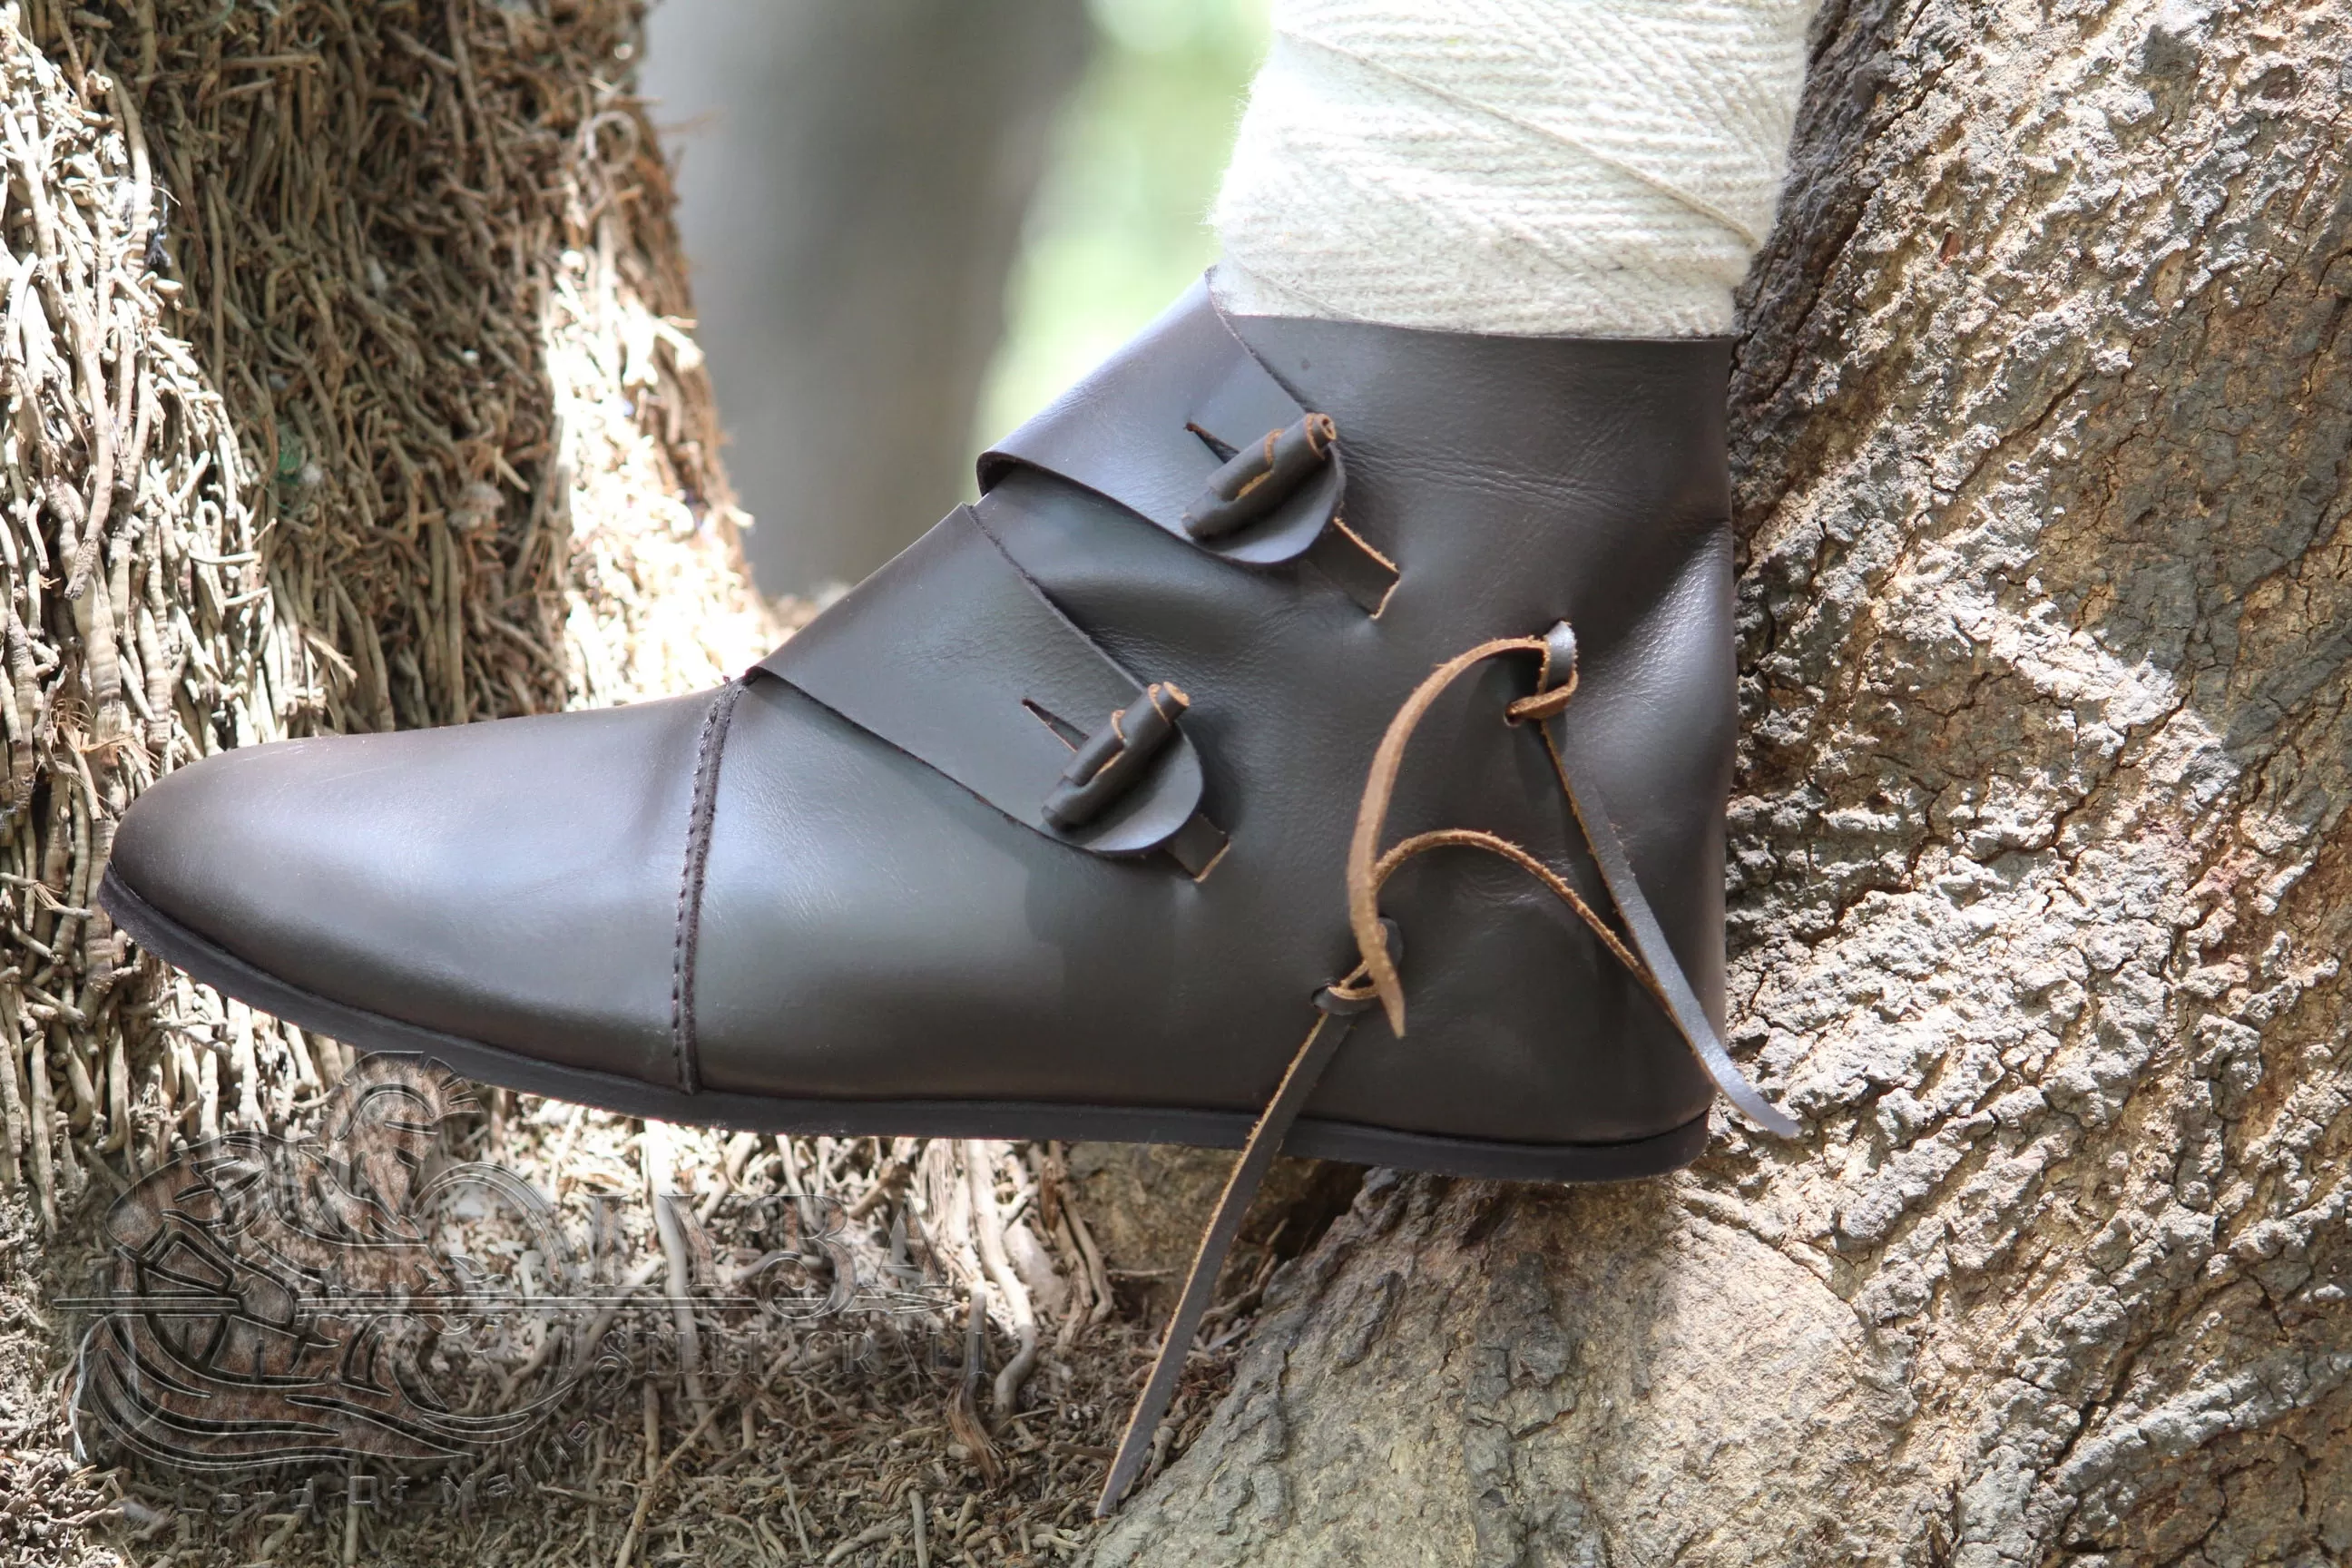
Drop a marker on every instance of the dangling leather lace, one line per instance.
(1337, 1007)
(1643, 950)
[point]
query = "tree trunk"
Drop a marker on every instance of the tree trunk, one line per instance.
(344, 391)
(2040, 886)
(853, 178)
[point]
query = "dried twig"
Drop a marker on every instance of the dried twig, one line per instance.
(653, 1480)
(963, 1409)
(988, 1229)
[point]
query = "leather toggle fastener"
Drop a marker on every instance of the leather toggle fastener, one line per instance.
(1256, 479)
(1112, 758)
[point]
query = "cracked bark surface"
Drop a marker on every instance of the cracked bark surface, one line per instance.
(2040, 882)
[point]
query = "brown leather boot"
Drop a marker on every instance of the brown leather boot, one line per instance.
(1273, 642)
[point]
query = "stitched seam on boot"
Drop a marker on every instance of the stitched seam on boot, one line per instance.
(708, 747)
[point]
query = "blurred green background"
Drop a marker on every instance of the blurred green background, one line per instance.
(912, 222)
(1116, 229)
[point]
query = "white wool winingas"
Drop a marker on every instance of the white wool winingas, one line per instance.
(1587, 167)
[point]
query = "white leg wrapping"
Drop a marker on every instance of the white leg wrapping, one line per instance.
(1581, 167)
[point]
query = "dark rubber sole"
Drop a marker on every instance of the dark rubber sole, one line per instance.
(1350, 1142)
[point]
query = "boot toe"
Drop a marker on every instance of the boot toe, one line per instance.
(514, 883)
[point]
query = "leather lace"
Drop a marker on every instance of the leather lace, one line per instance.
(1366, 874)
(1642, 950)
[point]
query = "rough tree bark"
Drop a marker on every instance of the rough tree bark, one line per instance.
(2040, 883)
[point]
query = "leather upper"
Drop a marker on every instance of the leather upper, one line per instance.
(948, 642)
(514, 881)
(1151, 426)
(881, 915)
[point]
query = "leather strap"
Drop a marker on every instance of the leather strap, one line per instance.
(1673, 987)
(1337, 1009)
(1154, 425)
(953, 656)
(1652, 958)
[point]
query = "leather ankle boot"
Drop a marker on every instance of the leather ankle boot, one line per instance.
(1292, 682)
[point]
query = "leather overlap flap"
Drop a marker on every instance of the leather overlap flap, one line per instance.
(1151, 425)
(953, 654)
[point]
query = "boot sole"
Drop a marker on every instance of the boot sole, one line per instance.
(1350, 1142)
